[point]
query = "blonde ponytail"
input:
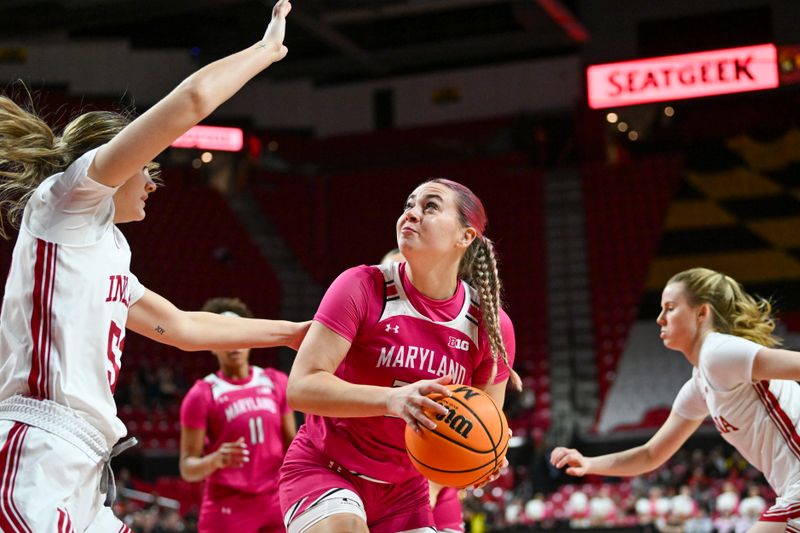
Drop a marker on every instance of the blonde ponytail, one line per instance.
(735, 312)
(30, 152)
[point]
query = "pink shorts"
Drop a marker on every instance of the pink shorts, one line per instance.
(447, 512)
(307, 475)
(224, 509)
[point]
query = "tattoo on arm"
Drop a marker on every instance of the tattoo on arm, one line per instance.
(160, 330)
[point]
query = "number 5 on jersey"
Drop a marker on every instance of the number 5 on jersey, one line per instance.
(116, 341)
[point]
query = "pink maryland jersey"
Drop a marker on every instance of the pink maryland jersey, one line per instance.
(760, 419)
(67, 298)
(252, 408)
(396, 344)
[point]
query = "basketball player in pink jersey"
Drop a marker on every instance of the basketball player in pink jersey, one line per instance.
(240, 418)
(71, 295)
(383, 338)
(747, 386)
(445, 503)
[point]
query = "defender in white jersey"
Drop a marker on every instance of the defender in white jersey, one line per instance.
(70, 294)
(747, 386)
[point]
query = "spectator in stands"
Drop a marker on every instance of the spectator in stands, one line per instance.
(750, 508)
(747, 386)
(602, 508)
(536, 510)
(683, 506)
(514, 512)
(701, 523)
(235, 429)
(578, 509)
(654, 508)
(444, 300)
(727, 502)
(70, 294)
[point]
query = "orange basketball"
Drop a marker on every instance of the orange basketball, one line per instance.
(468, 444)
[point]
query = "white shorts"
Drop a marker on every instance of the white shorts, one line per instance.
(49, 484)
(784, 510)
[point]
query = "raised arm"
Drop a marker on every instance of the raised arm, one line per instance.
(189, 103)
(649, 456)
(154, 317)
(313, 387)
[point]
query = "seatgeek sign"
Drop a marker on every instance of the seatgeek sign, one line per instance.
(211, 138)
(658, 79)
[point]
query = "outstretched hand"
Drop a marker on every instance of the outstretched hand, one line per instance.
(577, 465)
(410, 402)
(276, 31)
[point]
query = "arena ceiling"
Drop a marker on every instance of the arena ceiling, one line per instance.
(329, 40)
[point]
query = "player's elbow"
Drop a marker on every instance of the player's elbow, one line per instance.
(197, 98)
(186, 472)
(294, 394)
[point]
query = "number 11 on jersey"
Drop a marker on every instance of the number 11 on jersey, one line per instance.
(256, 430)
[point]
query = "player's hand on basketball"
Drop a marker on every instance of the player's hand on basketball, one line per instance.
(497, 471)
(232, 454)
(493, 476)
(410, 402)
(276, 31)
(577, 465)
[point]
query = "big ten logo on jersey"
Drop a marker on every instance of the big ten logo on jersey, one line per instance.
(723, 426)
(461, 344)
(118, 289)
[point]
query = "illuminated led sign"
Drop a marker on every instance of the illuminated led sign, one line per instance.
(211, 138)
(657, 79)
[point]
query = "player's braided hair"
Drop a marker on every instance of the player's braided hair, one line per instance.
(478, 267)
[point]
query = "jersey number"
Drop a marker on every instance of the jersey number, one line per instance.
(256, 430)
(116, 341)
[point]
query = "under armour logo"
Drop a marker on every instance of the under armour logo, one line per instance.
(390, 327)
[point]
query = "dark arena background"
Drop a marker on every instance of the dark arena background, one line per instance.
(601, 178)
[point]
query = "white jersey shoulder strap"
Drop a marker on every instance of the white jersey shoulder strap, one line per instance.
(220, 386)
(396, 303)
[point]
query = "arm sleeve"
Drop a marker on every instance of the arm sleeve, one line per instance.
(194, 408)
(70, 207)
(136, 289)
(729, 363)
(346, 304)
(484, 369)
(689, 403)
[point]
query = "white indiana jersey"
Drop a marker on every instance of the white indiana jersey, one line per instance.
(760, 419)
(66, 300)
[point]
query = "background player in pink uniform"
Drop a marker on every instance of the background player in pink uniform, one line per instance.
(748, 387)
(70, 294)
(383, 338)
(235, 428)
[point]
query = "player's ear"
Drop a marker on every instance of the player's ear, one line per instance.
(467, 236)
